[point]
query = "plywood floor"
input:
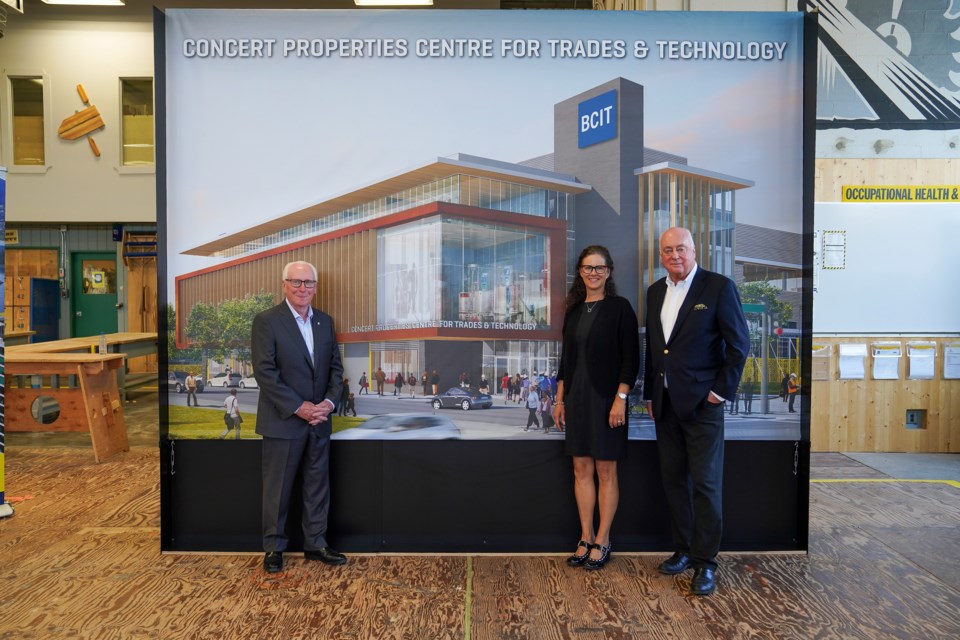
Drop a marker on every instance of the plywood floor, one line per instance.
(80, 559)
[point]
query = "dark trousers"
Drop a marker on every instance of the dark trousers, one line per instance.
(735, 404)
(532, 418)
(281, 459)
(192, 393)
(793, 396)
(747, 402)
(691, 468)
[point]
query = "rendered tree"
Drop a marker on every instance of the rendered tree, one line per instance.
(780, 312)
(767, 294)
(203, 331)
(235, 317)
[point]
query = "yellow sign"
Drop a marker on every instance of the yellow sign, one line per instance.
(98, 282)
(901, 193)
(11, 236)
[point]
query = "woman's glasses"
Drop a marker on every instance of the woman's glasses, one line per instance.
(600, 269)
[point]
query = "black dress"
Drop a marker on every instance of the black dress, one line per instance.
(587, 411)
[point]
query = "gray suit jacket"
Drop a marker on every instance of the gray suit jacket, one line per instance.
(285, 374)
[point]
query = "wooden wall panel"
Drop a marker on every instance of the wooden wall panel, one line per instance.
(869, 415)
(22, 263)
(141, 306)
(831, 174)
(346, 272)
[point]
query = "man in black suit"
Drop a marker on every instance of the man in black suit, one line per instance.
(697, 343)
(298, 369)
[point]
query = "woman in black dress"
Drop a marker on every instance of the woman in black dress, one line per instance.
(599, 361)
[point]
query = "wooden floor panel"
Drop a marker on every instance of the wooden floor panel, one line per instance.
(80, 559)
(884, 504)
(837, 465)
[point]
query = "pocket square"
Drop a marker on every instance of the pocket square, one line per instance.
(700, 307)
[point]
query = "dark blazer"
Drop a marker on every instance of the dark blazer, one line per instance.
(285, 374)
(707, 349)
(614, 338)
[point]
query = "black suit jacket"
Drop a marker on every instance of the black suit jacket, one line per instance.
(285, 374)
(707, 349)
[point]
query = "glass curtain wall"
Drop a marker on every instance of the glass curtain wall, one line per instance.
(488, 193)
(454, 273)
(495, 274)
(518, 356)
(704, 207)
(408, 267)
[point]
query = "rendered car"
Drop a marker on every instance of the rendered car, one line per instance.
(248, 383)
(177, 380)
(403, 426)
(466, 399)
(225, 380)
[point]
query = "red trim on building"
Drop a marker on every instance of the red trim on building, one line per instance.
(556, 230)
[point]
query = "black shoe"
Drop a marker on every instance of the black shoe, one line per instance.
(577, 560)
(703, 583)
(602, 560)
(677, 563)
(273, 562)
(326, 556)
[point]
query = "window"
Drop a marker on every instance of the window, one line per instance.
(27, 94)
(99, 277)
(136, 95)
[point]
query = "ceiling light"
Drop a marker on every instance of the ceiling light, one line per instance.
(393, 3)
(111, 3)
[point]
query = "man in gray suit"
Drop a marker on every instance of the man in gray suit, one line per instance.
(297, 365)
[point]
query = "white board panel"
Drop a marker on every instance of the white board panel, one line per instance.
(900, 269)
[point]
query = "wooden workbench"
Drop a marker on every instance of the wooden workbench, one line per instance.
(130, 344)
(84, 386)
(87, 386)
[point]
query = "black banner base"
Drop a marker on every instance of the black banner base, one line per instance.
(472, 497)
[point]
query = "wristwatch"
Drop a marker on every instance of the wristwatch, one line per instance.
(621, 395)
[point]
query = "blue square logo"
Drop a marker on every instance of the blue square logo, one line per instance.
(597, 119)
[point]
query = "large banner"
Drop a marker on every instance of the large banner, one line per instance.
(443, 170)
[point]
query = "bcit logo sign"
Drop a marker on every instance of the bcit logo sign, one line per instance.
(597, 119)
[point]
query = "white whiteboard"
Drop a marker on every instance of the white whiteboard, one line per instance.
(901, 273)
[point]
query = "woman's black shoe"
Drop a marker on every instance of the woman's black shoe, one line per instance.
(602, 560)
(577, 560)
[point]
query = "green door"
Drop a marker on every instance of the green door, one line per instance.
(93, 290)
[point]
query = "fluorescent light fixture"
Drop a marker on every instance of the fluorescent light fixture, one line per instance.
(106, 3)
(393, 3)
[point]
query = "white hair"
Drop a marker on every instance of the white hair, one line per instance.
(289, 265)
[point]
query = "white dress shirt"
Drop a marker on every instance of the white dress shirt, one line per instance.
(306, 330)
(305, 326)
(672, 301)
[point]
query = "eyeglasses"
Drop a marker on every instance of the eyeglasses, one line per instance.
(296, 283)
(600, 269)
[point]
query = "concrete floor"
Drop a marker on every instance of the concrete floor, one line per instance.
(912, 466)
